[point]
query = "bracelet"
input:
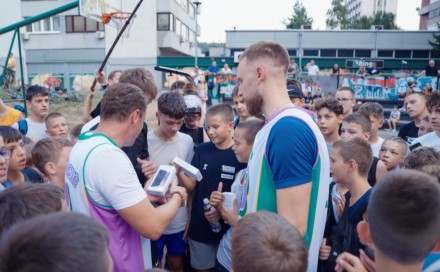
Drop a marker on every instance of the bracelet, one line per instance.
(181, 197)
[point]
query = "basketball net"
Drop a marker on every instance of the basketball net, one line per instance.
(119, 19)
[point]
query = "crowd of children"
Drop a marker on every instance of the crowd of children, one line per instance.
(360, 202)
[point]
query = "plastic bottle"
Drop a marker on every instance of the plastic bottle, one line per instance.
(215, 226)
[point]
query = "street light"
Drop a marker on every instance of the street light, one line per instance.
(197, 3)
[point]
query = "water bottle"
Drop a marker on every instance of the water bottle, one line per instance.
(215, 226)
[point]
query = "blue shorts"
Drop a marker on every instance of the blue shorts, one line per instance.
(175, 244)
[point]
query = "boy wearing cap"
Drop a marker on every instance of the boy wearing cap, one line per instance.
(297, 97)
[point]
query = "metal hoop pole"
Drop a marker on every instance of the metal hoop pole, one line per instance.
(92, 88)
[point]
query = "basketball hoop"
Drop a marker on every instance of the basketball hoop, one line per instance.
(119, 18)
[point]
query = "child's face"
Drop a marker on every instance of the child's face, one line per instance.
(328, 121)
(191, 121)
(240, 106)
(39, 106)
(241, 148)
(5, 155)
(338, 167)
(17, 161)
(346, 99)
(391, 153)
(434, 118)
(57, 127)
(376, 123)
(424, 128)
(219, 130)
(168, 125)
(353, 130)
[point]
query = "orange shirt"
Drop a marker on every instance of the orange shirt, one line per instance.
(11, 117)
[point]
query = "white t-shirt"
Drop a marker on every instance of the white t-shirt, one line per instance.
(312, 70)
(88, 126)
(162, 153)
(100, 180)
(429, 140)
(35, 130)
(376, 146)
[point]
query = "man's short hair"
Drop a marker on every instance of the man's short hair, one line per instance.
(113, 74)
(269, 50)
(421, 157)
(250, 128)
(433, 102)
(142, 78)
(51, 116)
(264, 241)
(120, 100)
(23, 201)
(62, 241)
(171, 104)
(372, 109)
(331, 104)
(10, 134)
(356, 149)
(431, 169)
(48, 150)
(419, 94)
(361, 119)
(36, 91)
(346, 88)
(403, 215)
(224, 110)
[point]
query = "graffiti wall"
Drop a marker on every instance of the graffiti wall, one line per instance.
(77, 82)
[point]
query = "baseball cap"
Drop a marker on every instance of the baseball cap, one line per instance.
(294, 91)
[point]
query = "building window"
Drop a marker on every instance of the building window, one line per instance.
(50, 24)
(385, 53)
(345, 53)
(362, 53)
(328, 53)
(311, 52)
(165, 21)
(191, 11)
(185, 33)
(292, 52)
(402, 54)
(178, 27)
(420, 54)
(76, 23)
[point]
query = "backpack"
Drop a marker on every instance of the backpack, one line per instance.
(23, 126)
(344, 237)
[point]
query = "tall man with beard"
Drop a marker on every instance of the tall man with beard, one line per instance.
(289, 165)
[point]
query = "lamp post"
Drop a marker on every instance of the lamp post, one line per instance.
(197, 3)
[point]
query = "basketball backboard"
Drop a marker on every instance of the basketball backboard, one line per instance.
(94, 9)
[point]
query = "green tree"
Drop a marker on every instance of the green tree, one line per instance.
(363, 22)
(387, 19)
(435, 43)
(337, 16)
(298, 18)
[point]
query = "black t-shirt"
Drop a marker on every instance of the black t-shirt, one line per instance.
(215, 165)
(32, 176)
(409, 132)
(196, 134)
(138, 150)
(96, 111)
(372, 172)
(431, 71)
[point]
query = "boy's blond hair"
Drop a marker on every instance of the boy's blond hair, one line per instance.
(48, 150)
(51, 116)
(264, 241)
(356, 149)
(224, 110)
(403, 215)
